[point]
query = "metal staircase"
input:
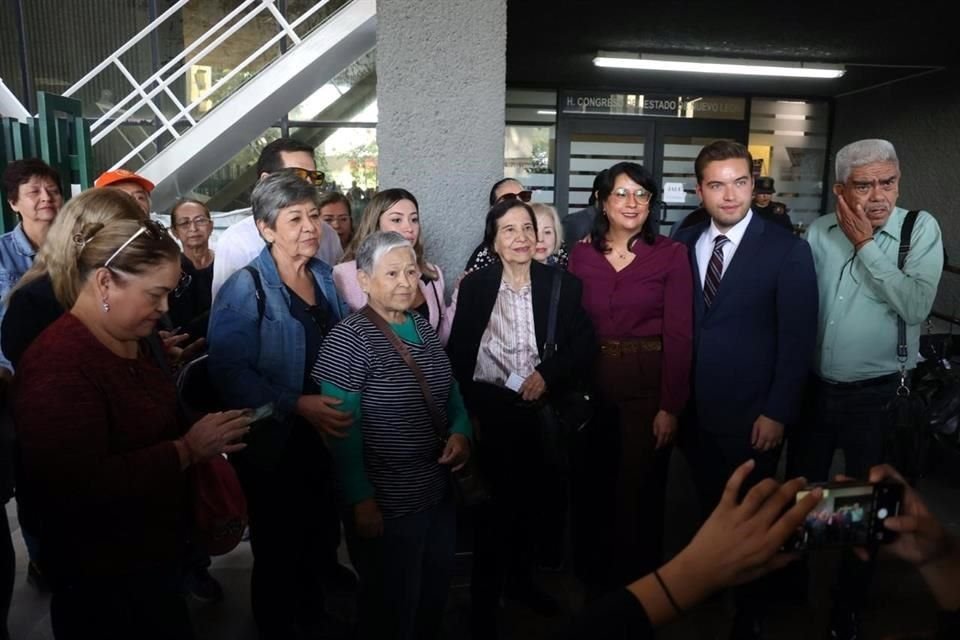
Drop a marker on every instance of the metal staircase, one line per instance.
(199, 141)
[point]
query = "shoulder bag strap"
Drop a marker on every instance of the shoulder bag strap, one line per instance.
(906, 230)
(550, 348)
(261, 298)
(401, 349)
(436, 296)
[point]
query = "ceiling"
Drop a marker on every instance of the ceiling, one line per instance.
(552, 43)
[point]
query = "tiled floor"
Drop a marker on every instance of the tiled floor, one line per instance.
(898, 601)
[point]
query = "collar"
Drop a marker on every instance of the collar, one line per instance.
(505, 286)
(22, 243)
(891, 227)
(734, 234)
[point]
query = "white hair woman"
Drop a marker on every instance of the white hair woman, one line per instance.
(395, 475)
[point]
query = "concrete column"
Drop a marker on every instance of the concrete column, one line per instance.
(441, 69)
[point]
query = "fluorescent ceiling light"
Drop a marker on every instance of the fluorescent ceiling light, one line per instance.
(718, 65)
(546, 112)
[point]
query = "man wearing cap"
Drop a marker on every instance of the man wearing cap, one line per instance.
(766, 207)
(136, 185)
(241, 242)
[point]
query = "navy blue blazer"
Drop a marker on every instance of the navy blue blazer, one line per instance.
(754, 346)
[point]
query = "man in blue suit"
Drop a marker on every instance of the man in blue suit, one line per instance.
(755, 328)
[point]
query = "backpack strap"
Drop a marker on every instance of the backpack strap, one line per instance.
(261, 296)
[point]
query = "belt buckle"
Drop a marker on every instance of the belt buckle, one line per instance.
(614, 349)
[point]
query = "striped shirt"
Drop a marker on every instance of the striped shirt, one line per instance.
(391, 451)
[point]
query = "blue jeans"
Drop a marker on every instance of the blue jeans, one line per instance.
(405, 573)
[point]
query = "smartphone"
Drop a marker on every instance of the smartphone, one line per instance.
(261, 412)
(850, 514)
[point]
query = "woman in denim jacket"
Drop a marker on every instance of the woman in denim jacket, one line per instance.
(266, 328)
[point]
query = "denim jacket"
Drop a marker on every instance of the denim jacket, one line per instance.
(16, 257)
(252, 367)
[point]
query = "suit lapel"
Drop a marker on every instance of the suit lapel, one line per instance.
(487, 295)
(699, 306)
(742, 259)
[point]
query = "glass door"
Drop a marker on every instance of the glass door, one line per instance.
(665, 146)
(586, 146)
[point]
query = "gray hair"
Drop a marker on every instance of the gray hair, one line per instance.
(863, 152)
(375, 246)
(277, 191)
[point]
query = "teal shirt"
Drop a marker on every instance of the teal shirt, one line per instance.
(348, 451)
(861, 295)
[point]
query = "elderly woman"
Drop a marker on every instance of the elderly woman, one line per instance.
(507, 189)
(192, 225)
(637, 288)
(32, 189)
(266, 328)
(549, 234)
(497, 351)
(394, 472)
(107, 449)
(397, 210)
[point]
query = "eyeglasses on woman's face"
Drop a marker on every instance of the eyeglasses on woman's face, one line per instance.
(200, 222)
(640, 195)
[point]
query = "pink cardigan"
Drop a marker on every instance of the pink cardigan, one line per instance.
(441, 315)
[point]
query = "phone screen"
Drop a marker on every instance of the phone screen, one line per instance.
(850, 513)
(261, 412)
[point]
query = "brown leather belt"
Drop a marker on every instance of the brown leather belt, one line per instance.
(617, 348)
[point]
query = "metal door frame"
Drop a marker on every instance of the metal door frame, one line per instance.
(653, 130)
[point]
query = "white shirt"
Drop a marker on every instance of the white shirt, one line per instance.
(704, 245)
(241, 242)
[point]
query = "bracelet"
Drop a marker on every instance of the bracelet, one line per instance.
(669, 595)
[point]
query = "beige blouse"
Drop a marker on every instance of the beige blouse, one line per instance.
(509, 343)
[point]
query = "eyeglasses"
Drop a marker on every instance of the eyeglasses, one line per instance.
(523, 196)
(640, 195)
(316, 178)
(182, 284)
(200, 222)
(150, 227)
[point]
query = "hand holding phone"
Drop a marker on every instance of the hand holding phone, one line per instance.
(849, 514)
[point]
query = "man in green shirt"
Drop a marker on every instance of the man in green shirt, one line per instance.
(856, 371)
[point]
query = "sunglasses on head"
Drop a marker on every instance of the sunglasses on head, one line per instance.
(313, 177)
(523, 196)
(153, 229)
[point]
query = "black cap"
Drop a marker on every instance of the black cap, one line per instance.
(764, 184)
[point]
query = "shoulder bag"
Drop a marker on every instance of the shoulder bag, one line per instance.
(470, 488)
(567, 412)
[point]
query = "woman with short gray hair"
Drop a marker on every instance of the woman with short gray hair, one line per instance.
(393, 467)
(266, 327)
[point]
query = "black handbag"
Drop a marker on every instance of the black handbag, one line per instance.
(927, 406)
(570, 410)
(469, 485)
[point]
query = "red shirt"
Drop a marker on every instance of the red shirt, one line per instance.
(652, 296)
(101, 484)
